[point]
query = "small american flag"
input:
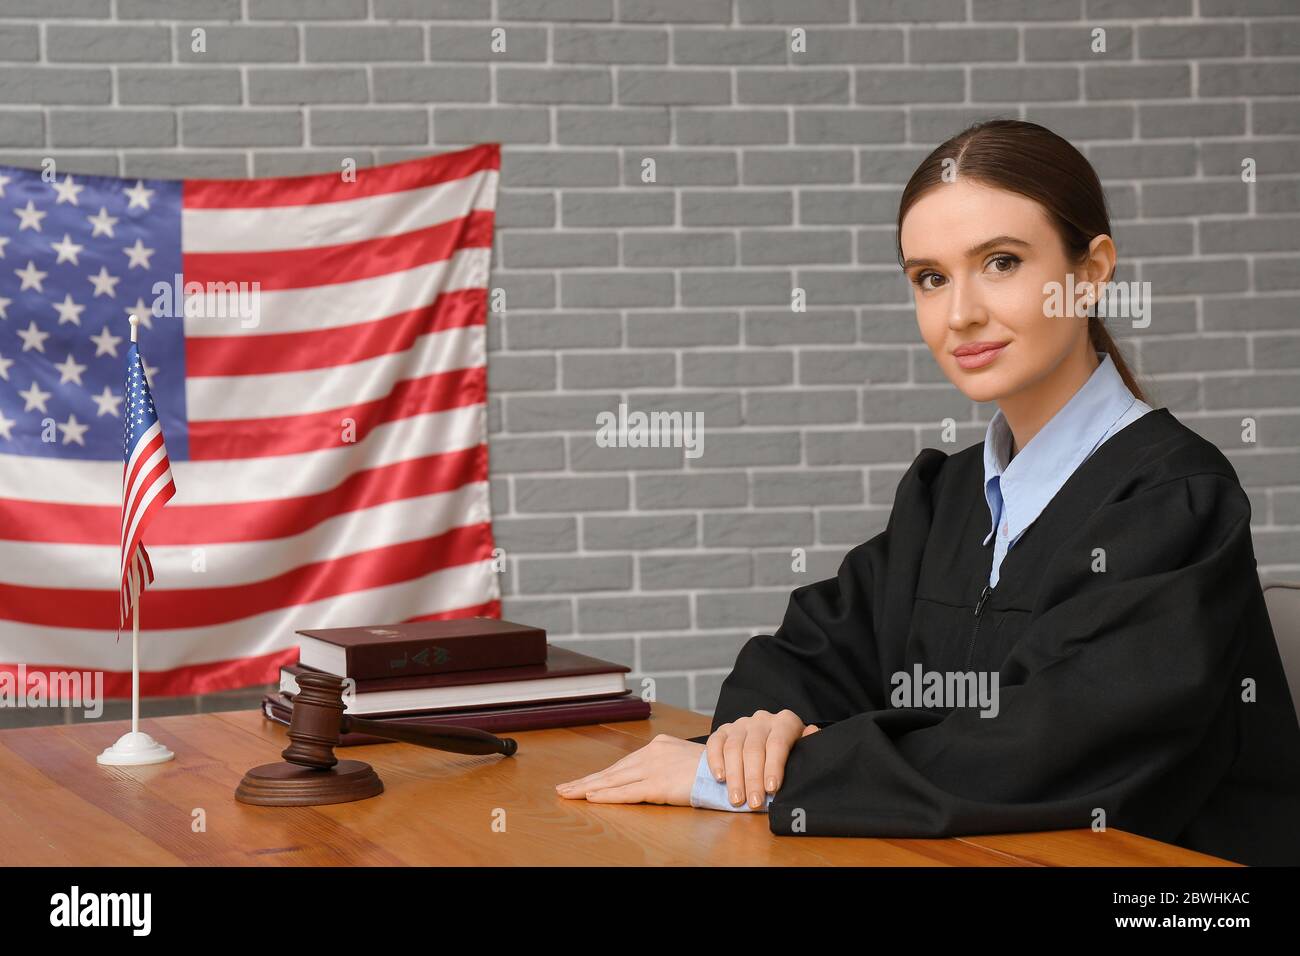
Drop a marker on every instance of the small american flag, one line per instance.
(147, 482)
(329, 445)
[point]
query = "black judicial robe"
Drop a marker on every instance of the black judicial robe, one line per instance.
(1120, 690)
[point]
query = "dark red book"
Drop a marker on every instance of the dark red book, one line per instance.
(496, 720)
(421, 647)
(564, 675)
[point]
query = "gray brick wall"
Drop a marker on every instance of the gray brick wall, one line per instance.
(774, 169)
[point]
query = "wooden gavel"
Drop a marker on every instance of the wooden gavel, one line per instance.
(311, 775)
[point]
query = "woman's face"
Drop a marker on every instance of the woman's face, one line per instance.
(981, 261)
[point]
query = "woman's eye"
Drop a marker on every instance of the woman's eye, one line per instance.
(1007, 257)
(920, 280)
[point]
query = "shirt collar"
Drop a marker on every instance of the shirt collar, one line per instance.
(1031, 479)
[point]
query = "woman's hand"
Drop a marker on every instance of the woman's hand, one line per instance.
(750, 753)
(663, 771)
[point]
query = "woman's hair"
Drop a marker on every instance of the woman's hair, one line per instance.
(1033, 161)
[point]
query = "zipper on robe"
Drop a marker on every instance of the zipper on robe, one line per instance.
(979, 608)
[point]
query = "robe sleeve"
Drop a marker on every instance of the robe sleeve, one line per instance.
(1119, 697)
(826, 662)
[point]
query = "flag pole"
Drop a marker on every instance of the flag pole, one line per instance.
(135, 748)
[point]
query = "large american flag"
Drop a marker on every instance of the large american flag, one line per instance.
(316, 351)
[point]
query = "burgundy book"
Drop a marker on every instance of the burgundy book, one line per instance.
(565, 675)
(421, 647)
(496, 720)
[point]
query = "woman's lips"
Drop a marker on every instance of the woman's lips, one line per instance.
(980, 359)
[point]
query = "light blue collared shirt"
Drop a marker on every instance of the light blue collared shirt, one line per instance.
(1016, 491)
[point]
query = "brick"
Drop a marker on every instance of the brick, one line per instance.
(737, 207)
(239, 44)
(522, 44)
(362, 44)
(320, 85)
(675, 87)
(733, 45)
(368, 127)
(792, 86)
(599, 208)
(625, 288)
(553, 84)
(119, 127)
(698, 127)
(307, 9)
(178, 86)
(682, 329)
(107, 44)
(437, 84)
(491, 124)
(563, 331)
(590, 127)
(241, 128)
(602, 45)
(651, 249)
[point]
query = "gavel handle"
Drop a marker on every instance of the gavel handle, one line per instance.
(460, 740)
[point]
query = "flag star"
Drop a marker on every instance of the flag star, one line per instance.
(4, 241)
(67, 190)
(34, 397)
(4, 367)
(107, 402)
(104, 283)
(6, 427)
(142, 312)
(106, 343)
(4, 307)
(68, 310)
(33, 338)
(139, 195)
(31, 277)
(67, 250)
(148, 374)
(73, 431)
(103, 223)
(69, 370)
(4, 181)
(139, 254)
(29, 217)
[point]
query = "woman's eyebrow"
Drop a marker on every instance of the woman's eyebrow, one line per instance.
(973, 250)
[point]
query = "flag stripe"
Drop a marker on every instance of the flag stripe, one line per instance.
(253, 479)
(205, 607)
(337, 386)
(289, 434)
(344, 303)
(247, 561)
(194, 525)
(320, 348)
(333, 223)
(170, 667)
(329, 188)
(324, 266)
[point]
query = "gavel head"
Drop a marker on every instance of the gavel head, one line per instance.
(317, 718)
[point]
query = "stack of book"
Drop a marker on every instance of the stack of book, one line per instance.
(478, 672)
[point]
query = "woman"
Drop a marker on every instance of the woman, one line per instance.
(1090, 564)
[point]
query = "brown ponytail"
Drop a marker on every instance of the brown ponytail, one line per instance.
(1033, 161)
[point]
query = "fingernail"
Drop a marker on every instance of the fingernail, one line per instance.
(771, 783)
(735, 796)
(753, 799)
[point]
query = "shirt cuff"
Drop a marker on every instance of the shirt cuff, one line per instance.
(709, 794)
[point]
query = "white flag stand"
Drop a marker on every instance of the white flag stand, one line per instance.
(135, 748)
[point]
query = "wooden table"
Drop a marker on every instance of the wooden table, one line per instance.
(59, 807)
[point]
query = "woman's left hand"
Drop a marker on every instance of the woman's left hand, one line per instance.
(663, 771)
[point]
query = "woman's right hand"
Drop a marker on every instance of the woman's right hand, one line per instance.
(750, 752)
